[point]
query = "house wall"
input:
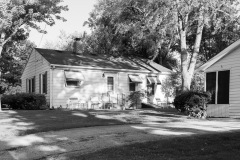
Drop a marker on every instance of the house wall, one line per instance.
(36, 65)
(94, 85)
(231, 62)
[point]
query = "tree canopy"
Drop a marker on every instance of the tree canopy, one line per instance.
(197, 29)
(17, 16)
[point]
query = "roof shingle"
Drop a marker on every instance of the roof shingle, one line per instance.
(69, 58)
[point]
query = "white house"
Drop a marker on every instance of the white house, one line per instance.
(222, 79)
(66, 75)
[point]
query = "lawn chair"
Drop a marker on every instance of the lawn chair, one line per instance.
(161, 103)
(83, 104)
(113, 101)
(105, 101)
(72, 103)
(95, 101)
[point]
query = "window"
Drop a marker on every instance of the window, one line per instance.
(211, 85)
(132, 86)
(110, 84)
(43, 83)
(223, 87)
(218, 82)
(133, 82)
(151, 82)
(150, 88)
(73, 78)
(30, 85)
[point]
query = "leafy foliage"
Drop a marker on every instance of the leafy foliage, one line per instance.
(27, 101)
(135, 98)
(17, 16)
(193, 102)
(65, 41)
(120, 29)
(153, 29)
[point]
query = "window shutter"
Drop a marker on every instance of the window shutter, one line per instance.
(26, 85)
(40, 84)
(46, 82)
(33, 84)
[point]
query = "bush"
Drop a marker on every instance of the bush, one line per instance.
(135, 98)
(26, 101)
(192, 102)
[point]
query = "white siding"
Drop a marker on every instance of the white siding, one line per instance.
(231, 62)
(94, 85)
(36, 65)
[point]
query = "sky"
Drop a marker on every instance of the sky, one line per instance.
(77, 14)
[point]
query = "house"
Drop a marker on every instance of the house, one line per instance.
(65, 76)
(222, 79)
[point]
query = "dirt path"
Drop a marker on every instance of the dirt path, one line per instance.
(57, 145)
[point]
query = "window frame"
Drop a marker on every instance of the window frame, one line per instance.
(31, 85)
(79, 82)
(152, 86)
(132, 83)
(113, 84)
(43, 87)
(217, 86)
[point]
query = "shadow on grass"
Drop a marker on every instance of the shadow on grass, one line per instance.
(34, 121)
(24, 145)
(198, 147)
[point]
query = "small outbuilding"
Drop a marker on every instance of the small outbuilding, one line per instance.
(222, 79)
(65, 76)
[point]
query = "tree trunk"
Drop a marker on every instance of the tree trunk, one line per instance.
(186, 77)
(1, 48)
(188, 66)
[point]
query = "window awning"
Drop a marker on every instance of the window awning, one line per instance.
(135, 78)
(72, 75)
(153, 80)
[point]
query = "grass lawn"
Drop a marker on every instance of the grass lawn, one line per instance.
(34, 121)
(220, 146)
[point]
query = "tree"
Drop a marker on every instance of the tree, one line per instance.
(168, 25)
(214, 41)
(192, 17)
(17, 16)
(118, 30)
(13, 61)
(65, 41)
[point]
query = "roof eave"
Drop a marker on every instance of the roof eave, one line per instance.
(219, 56)
(99, 68)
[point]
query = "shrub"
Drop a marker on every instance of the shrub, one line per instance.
(135, 98)
(27, 101)
(192, 102)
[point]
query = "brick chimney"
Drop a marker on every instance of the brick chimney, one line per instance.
(75, 45)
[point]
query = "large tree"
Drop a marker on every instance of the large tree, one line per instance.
(18, 16)
(170, 25)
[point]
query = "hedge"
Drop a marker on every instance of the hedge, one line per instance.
(28, 101)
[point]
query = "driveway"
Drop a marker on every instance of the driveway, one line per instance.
(61, 144)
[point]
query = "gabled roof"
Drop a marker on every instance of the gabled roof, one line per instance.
(69, 58)
(219, 56)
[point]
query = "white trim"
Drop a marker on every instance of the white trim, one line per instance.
(216, 89)
(216, 93)
(219, 56)
(105, 69)
(114, 88)
(51, 87)
(205, 83)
